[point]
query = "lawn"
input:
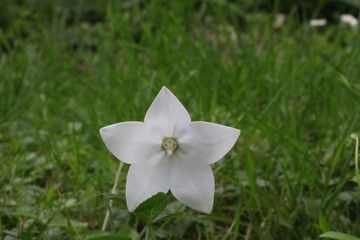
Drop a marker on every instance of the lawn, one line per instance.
(293, 90)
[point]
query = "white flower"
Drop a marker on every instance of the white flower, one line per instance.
(318, 22)
(349, 20)
(169, 152)
(279, 20)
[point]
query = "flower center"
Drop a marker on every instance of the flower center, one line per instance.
(170, 145)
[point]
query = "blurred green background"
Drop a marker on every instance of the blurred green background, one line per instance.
(68, 68)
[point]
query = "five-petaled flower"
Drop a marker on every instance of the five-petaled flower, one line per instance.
(169, 152)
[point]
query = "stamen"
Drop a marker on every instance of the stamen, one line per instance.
(170, 145)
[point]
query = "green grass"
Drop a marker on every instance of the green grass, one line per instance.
(294, 92)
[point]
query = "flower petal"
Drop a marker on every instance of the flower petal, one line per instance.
(131, 142)
(192, 184)
(147, 179)
(167, 112)
(206, 142)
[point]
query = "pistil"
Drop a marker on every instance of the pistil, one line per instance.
(170, 145)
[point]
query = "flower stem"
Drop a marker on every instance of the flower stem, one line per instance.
(147, 231)
(113, 190)
(356, 137)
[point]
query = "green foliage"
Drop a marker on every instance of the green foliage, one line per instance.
(117, 199)
(150, 209)
(68, 69)
(338, 236)
(106, 236)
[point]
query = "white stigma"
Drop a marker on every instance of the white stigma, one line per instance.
(170, 145)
